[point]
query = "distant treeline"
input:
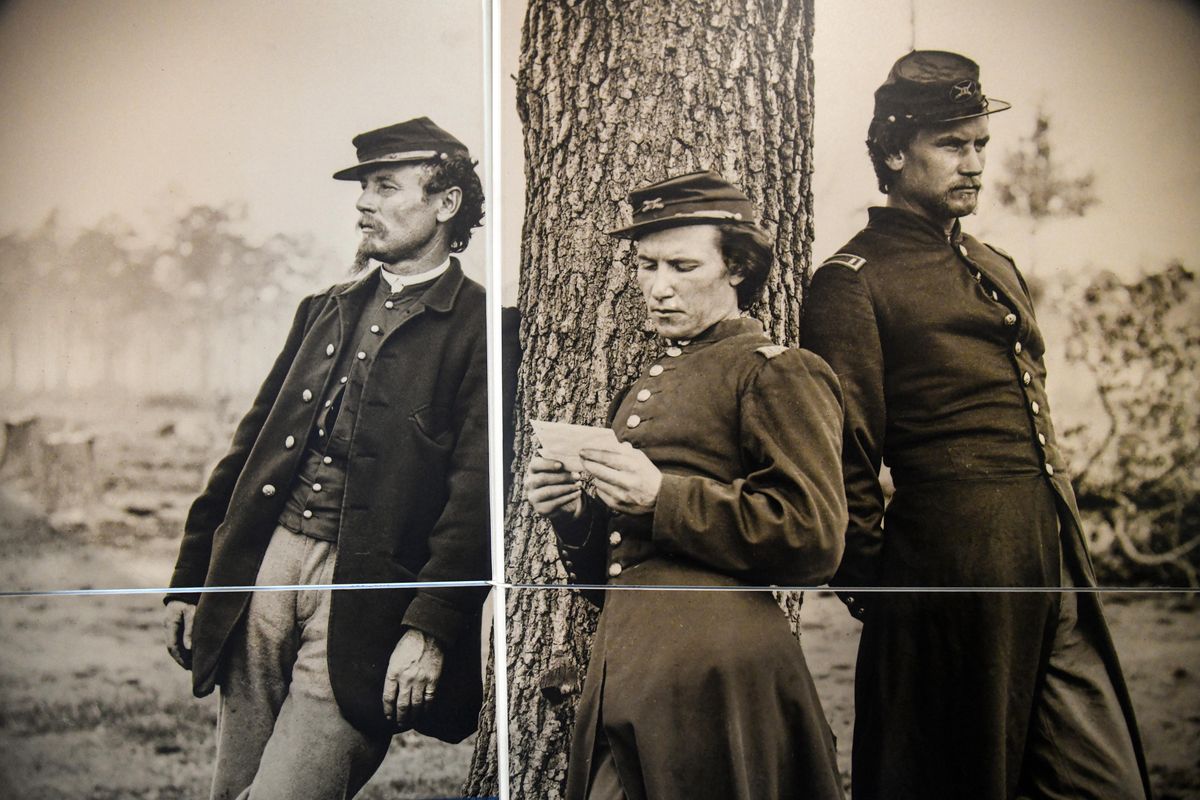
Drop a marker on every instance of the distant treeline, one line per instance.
(196, 308)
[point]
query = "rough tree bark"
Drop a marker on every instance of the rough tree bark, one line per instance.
(613, 95)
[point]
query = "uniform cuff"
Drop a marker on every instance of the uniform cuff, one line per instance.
(435, 617)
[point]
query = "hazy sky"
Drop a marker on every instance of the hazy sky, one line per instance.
(127, 105)
(1119, 78)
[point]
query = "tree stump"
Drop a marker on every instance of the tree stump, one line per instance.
(69, 480)
(22, 456)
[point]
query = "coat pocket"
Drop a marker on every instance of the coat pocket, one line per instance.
(435, 423)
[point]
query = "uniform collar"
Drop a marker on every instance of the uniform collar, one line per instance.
(397, 282)
(724, 329)
(440, 296)
(908, 223)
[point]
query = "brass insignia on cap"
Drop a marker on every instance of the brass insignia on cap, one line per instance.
(846, 260)
(962, 90)
(771, 350)
(651, 204)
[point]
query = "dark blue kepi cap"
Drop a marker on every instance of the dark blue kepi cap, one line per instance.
(415, 140)
(931, 86)
(691, 199)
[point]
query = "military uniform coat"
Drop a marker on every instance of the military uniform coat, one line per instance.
(940, 358)
(415, 504)
(706, 694)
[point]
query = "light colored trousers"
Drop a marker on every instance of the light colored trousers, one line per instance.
(280, 733)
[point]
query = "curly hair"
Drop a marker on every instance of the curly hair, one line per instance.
(887, 139)
(443, 174)
(748, 251)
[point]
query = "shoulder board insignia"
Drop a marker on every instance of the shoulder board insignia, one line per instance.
(1000, 251)
(846, 260)
(771, 350)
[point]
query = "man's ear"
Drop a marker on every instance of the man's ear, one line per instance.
(894, 161)
(448, 203)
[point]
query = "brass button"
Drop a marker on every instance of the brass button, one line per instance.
(268, 490)
(327, 460)
(345, 378)
(389, 304)
(306, 514)
(361, 355)
(1017, 348)
(614, 570)
(1010, 319)
(633, 421)
(643, 395)
(977, 276)
(674, 352)
(1042, 438)
(328, 403)
(1035, 407)
(289, 442)
(615, 538)
(376, 329)
(1026, 378)
(306, 395)
(962, 248)
(1050, 470)
(320, 431)
(656, 370)
(329, 349)
(316, 487)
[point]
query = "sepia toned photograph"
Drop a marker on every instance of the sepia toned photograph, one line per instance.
(880, 296)
(245, 349)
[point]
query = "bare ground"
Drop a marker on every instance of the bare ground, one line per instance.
(91, 706)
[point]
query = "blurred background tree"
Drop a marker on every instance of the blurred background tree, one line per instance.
(1138, 468)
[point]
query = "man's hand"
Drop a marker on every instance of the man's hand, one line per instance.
(552, 491)
(411, 681)
(178, 629)
(626, 480)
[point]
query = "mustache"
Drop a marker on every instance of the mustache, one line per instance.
(976, 185)
(365, 221)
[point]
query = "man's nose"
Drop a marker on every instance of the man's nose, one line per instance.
(972, 162)
(366, 201)
(662, 285)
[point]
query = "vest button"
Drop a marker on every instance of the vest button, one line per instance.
(268, 490)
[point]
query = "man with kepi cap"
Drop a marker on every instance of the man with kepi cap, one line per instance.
(988, 696)
(362, 460)
(727, 476)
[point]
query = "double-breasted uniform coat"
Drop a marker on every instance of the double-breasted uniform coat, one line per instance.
(415, 503)
(940, 358)
(705, 694)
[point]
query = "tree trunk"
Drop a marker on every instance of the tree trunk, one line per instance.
(614, 95)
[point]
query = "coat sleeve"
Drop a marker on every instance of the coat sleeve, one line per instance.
(459, 548)
(583, 546)
(208, 510)
(783, 523)
(840, 325)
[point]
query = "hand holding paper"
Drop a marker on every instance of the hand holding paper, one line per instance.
(562, 441)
